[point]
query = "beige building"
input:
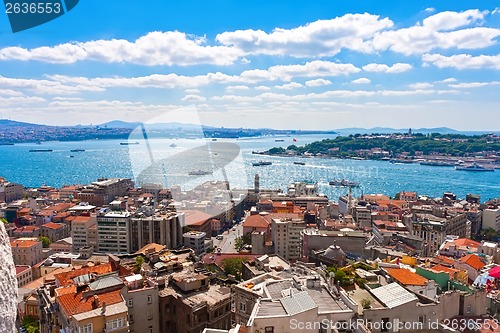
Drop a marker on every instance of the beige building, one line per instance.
(55, 231)
(141, 298)
(10, 191)
(24, 275)
(286, 237)
(491, 218)
(162, 227)
(80, 229)
(26, 251)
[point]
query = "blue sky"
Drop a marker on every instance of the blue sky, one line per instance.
(284, 64)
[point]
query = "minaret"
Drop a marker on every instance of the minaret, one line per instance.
(256, 184)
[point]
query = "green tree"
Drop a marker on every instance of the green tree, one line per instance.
(233, 266)
(4, 220)
(139, 260)
(31, 325)
(366, 303)
(45, 241)
(239, 243)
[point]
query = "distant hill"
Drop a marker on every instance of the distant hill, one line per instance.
(158, 126)
(12, 123)
(388, 130)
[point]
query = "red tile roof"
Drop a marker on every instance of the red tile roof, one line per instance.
(473, 261)
(65, 278)
(445, 259)
(24, 243)
(255, 221)
(195, 217)
(441, 268)
(74, 303)
(81, 219)
(467, 242)
(406, 277)
(21, 268)
(52, 225)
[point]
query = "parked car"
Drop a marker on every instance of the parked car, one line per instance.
(219, 237)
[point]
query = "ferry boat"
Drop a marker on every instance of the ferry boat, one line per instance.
(129, 143)
(279, 140)
(344, 183)
(199, 173)
(261, 163)
(299, 163)
(473, 167)
(438, 163)
(40, 150)
(173, 145)
(76, 150)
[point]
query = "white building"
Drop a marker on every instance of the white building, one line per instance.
(196, 241)
(286, 237)
(491, 218)
(113, 232)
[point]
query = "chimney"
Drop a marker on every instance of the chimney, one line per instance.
(95, 302)
(103, 311)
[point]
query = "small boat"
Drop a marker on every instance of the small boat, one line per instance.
(299, 163)
(199, 173)
(76, 150)
(343, 183)
(279, 140)
(71, 156)
(261, 163)
(40, 150)
(473, 167)
(129, 143)
(173, 145)
(214, 139)
(6, 144)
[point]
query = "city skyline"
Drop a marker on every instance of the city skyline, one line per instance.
(306, 66)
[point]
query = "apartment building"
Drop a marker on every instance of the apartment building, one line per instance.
(26, 251)
(161, 227)
(10, 191)
(104, 190)
(113, 232)
(141, 298)
(491, 218)
(55, 231)
(24, 275)
(286, 237)
(80, 229)
(195, 240)
(434, 229)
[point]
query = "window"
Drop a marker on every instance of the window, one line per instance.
(130, 302)
(131, 319)
(150, 299)
(243, 307)
(115, 323)
(85, 328)
(269, 329)
(150, 329)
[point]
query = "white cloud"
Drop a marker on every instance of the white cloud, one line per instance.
(430, 10)
(420, 85)
(434, 33)
(153, 49)
(318, 83)
(383, 68)
(262, 88)
(194, 98)
(448, 80)
(311, 69)
(237, 88)
(316, 39)
(361, 80)
(192, 91)
(10, 92)
(289, 86)
(16, 100)
(464, 85)
(463, 61)
(496, 11)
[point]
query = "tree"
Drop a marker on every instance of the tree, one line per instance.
(366, 303)
(45, 241)
(139, 260)
(4, 220)
(233, 266)
(238, 244)
(31, 325)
